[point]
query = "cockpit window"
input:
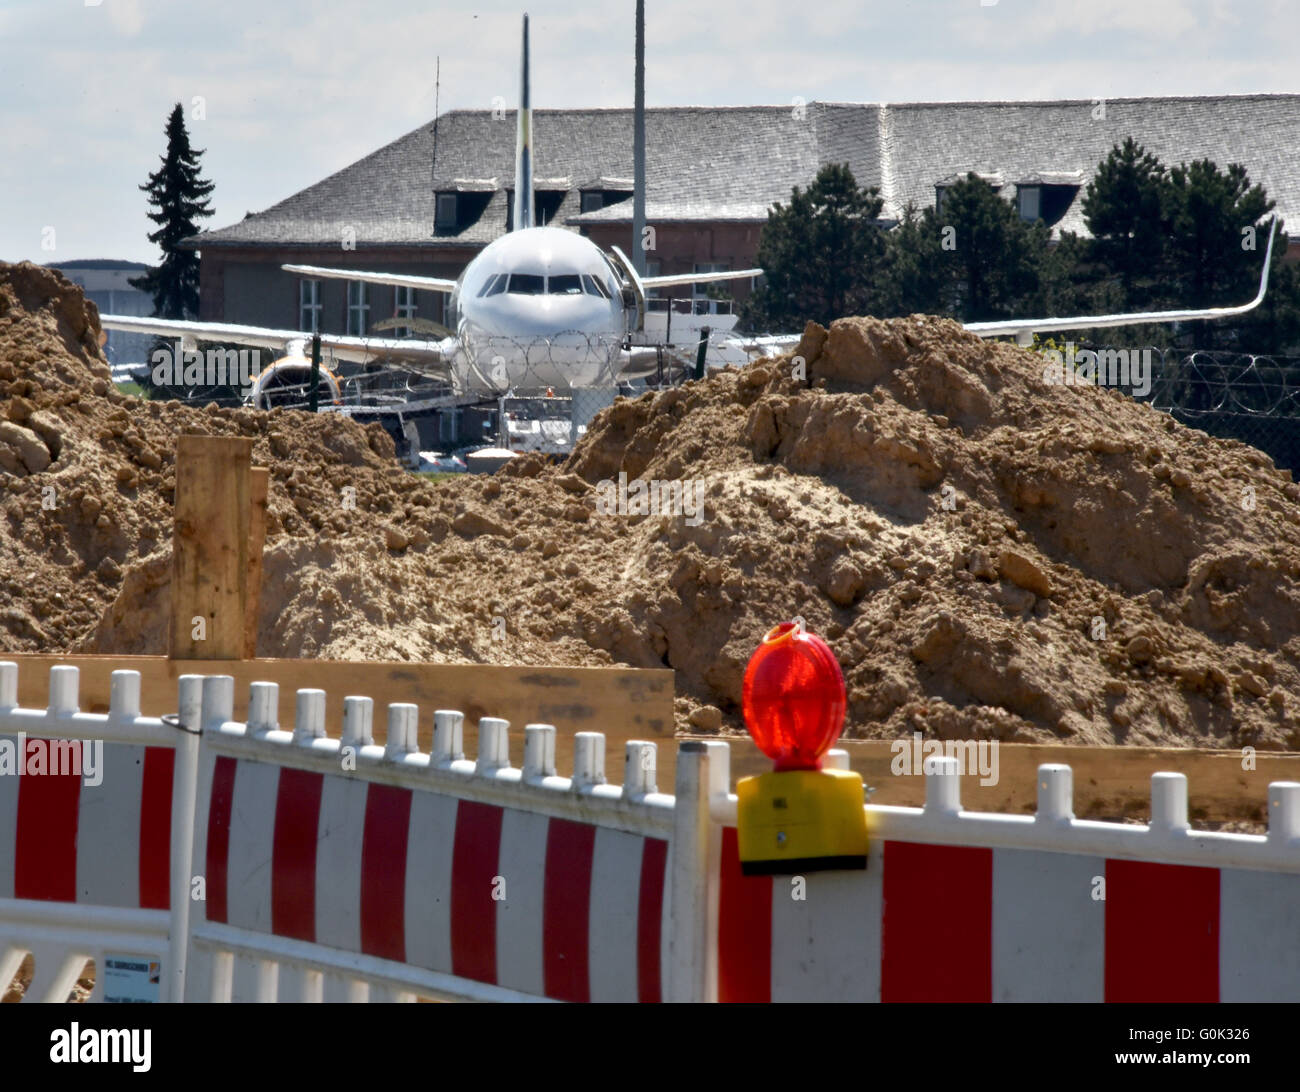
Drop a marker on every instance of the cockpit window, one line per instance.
(527, 284)
(564, 284)
(593, 286)
(493, 286)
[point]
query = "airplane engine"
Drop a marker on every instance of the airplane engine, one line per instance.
(287, 383)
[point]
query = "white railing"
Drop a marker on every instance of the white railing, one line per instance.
(1054, 827)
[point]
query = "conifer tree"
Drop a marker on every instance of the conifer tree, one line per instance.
(178, 198)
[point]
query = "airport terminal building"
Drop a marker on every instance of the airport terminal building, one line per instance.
(429, 201)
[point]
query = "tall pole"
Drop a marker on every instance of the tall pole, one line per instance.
(638, 146)
(313, 395)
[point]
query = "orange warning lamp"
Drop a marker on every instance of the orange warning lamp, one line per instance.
(799, 817)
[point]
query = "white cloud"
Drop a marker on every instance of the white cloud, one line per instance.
(126, 16)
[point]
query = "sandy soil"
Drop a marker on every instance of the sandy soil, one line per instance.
(988, 555)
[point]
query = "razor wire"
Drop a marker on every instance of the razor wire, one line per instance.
(1253, 398)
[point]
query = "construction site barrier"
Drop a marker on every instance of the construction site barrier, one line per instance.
(96, 815)
(253, 862)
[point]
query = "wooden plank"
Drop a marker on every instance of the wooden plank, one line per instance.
(1109, 782)
(210, 547)
(259, 483)
(628, 704)
(625, 703)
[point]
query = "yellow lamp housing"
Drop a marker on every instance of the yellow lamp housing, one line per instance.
(801, 821)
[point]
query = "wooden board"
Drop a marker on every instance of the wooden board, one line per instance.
(625, 703)
(210, 547)
(259, 484)
(1109, 782)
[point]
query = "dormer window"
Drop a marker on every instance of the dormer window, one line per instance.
(546, 203)
(1047, 195)
(594, 200)
(940, 188)
(445, 213)
(1030, 198)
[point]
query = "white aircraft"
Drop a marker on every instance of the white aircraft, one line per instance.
(538, 308)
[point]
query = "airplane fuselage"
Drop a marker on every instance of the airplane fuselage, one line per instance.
(539, 307)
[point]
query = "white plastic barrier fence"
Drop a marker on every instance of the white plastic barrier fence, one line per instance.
(335, 866)
(96, 815)
(260, 863)
(962, 906)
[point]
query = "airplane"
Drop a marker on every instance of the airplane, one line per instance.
(543, 308)
(537, 308)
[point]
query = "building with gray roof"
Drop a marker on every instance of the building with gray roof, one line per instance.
(433, 198)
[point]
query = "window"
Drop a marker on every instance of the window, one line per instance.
(358, 308)
(564, 284)
(309, 306)
(444, 217)
(546, 203)
(592, 200)
(493, 286)
(1030, 202)
(652, 270)
(700, 290)
(594, 287)
(403, 308)
(527, 284)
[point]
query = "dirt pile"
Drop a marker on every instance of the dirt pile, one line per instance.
(989, 555)
(87, 475)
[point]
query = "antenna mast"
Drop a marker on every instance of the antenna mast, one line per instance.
(437, 82)
(638, 146)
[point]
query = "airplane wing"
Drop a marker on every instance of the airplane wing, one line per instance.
(400, 280)
(357, 350)
(1024, 329)
(699, 278)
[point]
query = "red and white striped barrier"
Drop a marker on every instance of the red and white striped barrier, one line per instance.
(254, 863)
(87, 853)
(956, 906)
(464, 879)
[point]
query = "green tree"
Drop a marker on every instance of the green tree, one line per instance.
(819, 254)
(1210, 213)
(989, 260)
(1126, 208)
(178, 200)
(911, 280)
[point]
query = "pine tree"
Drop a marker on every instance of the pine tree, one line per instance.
(819, 254)
(987, 259)
(178, 198)
(1126, 208)
(912, 272)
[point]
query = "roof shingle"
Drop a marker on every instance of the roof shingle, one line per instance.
(733, 163)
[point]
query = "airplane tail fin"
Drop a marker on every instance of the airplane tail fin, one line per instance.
(524, 147)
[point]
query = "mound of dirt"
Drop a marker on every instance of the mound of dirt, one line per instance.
(989, 555)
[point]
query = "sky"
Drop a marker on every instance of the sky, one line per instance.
(282, 93)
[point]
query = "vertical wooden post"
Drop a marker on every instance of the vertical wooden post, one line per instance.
(258, 486)
(210, 547)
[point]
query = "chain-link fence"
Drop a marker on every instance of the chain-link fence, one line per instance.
(1241, 396)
